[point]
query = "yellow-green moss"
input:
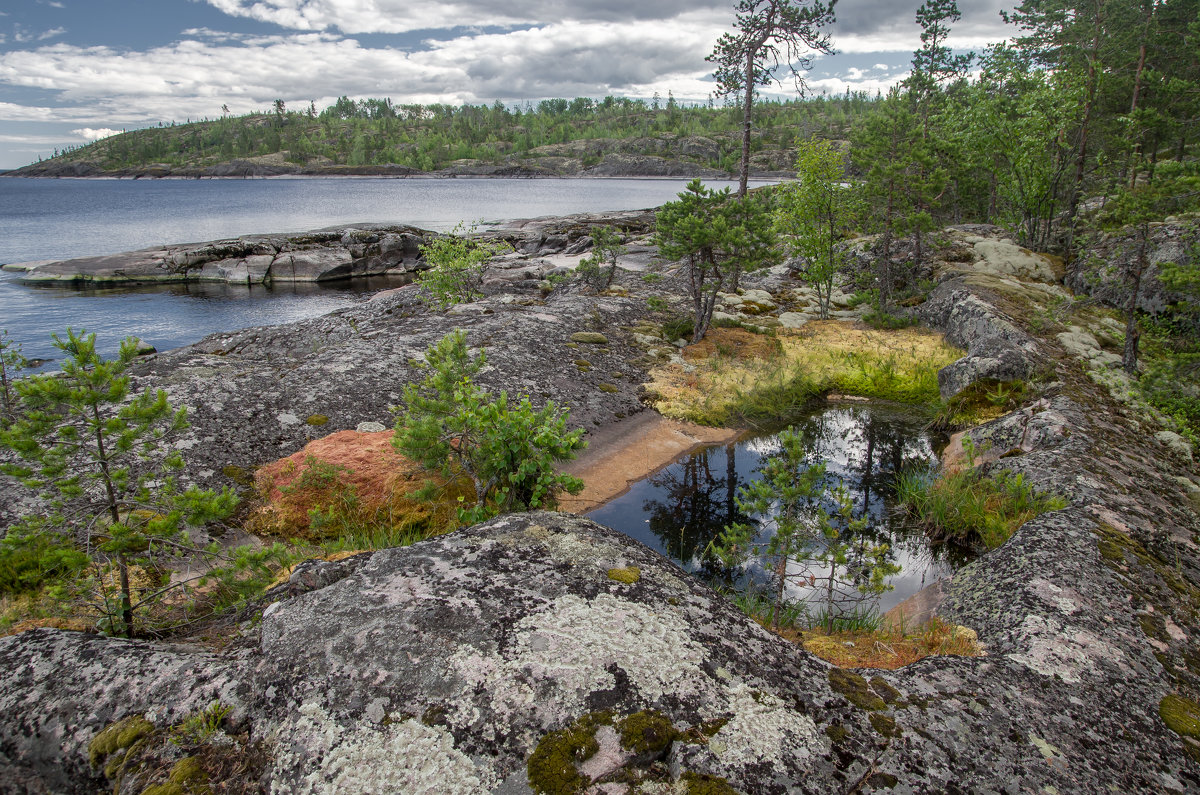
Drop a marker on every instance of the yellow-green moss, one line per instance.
(551, 767)
(317, 419)
(627, 575)
(885, 725)
(589, 338)
(888, 693)
(647, 732)
(1182, 715)
(836, 732)
(239, 475)
(703, 784)
(118, 736)
(609, 388)
(167, 788)
(855, 689)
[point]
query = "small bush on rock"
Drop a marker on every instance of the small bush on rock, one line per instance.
(507, 452)
(456, 263)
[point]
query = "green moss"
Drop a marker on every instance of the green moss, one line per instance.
(167, 788)
(703, 784)
(1153, 627)
(551, 767)
(589, 338)
(187, 771)
(837, 733)
(573, 346)
(1182, 715)
(316, 419)
(889, 694)
(118, 736)
(883, 781)
(239, 475)
(885, 725)
(647, 732)
(855, 689)
(581, 363)
(1110, 551)
(609, 388)
(627, 575)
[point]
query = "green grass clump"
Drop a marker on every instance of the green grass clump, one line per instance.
(972, 508)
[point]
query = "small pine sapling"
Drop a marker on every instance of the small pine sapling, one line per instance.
(99, 455)
(449, 424)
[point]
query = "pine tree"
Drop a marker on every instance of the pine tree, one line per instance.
(99, 454)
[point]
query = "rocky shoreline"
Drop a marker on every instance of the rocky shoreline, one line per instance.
(464, 662)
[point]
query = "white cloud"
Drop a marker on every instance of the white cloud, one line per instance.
(402, 16)
(49, 34)
(90, 134)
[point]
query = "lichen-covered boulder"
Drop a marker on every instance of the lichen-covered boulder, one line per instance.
(996, 348)
(446, 666)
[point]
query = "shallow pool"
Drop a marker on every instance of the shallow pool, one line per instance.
(683, 508)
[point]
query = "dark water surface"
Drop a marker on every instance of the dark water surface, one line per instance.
(682, 508)
(44, 219)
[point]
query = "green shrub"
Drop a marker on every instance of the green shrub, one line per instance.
(30, 561)
(449, 424)
(456, 262)
(679, 327)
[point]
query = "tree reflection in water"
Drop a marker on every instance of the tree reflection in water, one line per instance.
(681, 509)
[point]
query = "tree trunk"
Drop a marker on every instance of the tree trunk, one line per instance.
(1084, 129)
(126, 595)
(1129, 358)
(747, 113)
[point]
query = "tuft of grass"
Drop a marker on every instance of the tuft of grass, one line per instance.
(972, 508)
(777, 379)
(890, 647)
(979, 403)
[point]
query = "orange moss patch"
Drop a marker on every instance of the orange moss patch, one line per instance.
(54, 622)
(888, 648)
(734, 342)
(357, 477)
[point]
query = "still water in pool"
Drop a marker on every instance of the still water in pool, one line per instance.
(683, 508)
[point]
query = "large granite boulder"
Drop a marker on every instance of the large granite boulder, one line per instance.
(445, 667)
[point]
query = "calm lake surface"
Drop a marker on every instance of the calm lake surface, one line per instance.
(62, 218)
(681, 509)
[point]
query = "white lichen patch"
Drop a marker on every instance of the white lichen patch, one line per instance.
(1053, 596)
(763, 729)
(1064, 652)
(315, 755)
(563, 653)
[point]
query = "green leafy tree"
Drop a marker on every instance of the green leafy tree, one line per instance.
(769, 34)
(451, 425)
(814, 213)
(456, 262)
(99, 454)
(599, 269)
(807, 546)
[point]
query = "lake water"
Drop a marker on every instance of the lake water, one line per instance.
(59, 219)
(683, 508)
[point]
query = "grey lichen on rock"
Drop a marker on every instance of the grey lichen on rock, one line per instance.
(589, 338)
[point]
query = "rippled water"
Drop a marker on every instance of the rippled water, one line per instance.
(681, 509)
(58, 219)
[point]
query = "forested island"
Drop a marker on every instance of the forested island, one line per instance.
(222, 567)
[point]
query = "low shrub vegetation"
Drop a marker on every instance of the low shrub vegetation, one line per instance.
(775, 382)
(972, 508)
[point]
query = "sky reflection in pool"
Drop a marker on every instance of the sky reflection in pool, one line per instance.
(681, 509)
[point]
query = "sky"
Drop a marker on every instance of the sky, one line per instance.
(73, 71)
